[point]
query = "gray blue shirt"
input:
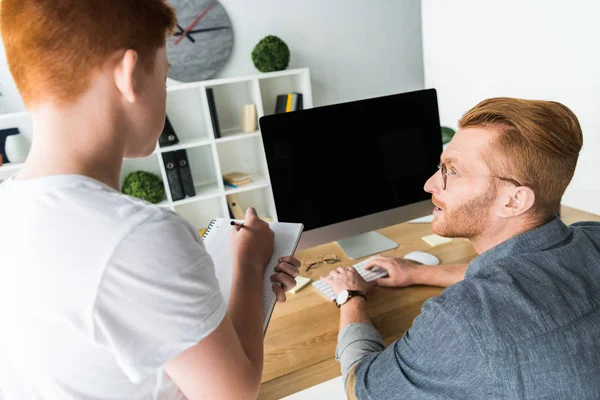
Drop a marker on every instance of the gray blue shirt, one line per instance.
(523, 324)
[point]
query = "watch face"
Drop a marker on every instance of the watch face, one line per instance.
(202, 42)
(342, 297)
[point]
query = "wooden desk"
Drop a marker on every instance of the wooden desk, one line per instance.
(302, 334)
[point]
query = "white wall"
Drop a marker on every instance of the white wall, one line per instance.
(354, 49)
(542, 49)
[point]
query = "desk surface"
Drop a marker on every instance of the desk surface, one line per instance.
(302, 334)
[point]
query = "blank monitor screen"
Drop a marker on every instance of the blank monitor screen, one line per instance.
(339, 162)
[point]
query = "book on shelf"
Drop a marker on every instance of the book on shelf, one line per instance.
(236, 178)
(238, 184)
(212, 107)
(289, 102)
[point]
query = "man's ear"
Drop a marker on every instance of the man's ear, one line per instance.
(125, 75)
(517, 201)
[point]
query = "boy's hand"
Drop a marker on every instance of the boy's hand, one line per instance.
(252, 245)
(283, 278)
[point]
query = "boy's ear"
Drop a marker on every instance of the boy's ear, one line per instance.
(125, 75)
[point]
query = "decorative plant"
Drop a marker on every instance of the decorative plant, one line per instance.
(447, 134)
(144, 185)
(271, 54)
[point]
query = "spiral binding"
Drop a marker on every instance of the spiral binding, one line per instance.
(210, 225)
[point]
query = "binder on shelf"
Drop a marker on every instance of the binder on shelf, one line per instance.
(212, 106)
(168, 137)
(235, 209)
(173, 176)
(185, 173)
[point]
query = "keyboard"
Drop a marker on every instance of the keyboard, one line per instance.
(326, 291)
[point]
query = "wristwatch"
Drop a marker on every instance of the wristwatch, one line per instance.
(346, 295)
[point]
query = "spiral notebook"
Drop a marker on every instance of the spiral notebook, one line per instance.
(216, 240)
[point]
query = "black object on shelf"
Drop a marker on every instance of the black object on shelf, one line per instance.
(300, 103)
(281, 102)
(168, 136)
(185, 173)
(3, 134)
(212, 106)
(173, 176)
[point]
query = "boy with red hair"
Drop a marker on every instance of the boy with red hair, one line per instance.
(105, 296)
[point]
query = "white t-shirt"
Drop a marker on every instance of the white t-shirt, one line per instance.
(98, 291)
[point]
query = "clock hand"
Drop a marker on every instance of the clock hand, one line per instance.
(189, 35)
(189, 28)
(219, 28)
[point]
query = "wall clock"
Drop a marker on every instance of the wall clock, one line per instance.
(202, 42)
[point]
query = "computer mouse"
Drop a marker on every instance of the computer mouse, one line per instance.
(422, 257)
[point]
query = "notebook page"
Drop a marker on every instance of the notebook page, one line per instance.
(216, 241)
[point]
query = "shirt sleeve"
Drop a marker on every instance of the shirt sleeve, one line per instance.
(159, 296)
(356, 341)
(436, 358)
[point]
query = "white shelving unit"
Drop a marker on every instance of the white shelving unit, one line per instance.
(211, 158)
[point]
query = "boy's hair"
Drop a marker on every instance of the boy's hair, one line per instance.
(538, 146)
(54, 46)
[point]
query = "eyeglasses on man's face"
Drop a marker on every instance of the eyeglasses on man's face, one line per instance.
(444, 171)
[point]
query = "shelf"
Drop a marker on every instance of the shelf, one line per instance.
(257, 183)
(238, 136)
(185, 144)
(203, 192)
(283, 84)
(230, 100)
(188, 111)
(199, 214)
(261, 199)
(10, 167)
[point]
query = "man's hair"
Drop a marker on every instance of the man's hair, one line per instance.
(538, 146)
(54, 46)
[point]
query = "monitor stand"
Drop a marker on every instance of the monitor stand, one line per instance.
(366, 244)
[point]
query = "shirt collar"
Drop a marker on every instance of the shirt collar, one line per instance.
(541, 238)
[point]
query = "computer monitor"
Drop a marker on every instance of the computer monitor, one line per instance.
(346, 170)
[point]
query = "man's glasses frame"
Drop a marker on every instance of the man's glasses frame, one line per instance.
(327, 258)
(444, 171)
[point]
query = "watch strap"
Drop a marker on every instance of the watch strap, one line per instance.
(351, 294)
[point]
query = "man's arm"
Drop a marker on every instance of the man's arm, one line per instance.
(439, 275)
(357, 338)
(402, 272)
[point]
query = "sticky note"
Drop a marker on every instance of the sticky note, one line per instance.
(435, 240)
(301, 281)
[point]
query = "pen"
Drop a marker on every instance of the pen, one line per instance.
(237, 223)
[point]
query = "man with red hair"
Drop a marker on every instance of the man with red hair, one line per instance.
(521, 321)
(104, 296)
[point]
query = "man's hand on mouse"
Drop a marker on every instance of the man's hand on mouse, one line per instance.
(400, 271)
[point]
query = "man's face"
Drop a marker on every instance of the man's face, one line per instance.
(464, 208)
(148, 117)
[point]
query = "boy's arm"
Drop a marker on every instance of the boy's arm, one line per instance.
(227, 364)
